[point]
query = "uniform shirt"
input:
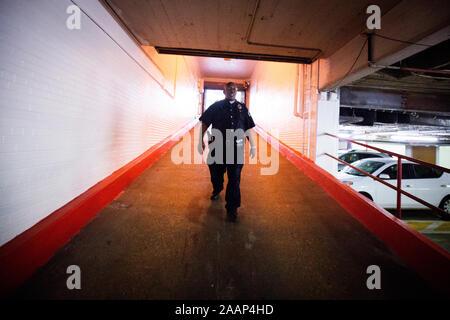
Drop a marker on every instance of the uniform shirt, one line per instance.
(223, 115)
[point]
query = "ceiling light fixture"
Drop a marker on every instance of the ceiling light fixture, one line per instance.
(414, 138)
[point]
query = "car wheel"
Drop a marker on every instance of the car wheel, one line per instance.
(365, 194)
(445, 205)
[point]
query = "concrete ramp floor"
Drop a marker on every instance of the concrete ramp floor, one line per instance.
(162, 238)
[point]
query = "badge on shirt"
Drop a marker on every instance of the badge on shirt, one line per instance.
(239, 106)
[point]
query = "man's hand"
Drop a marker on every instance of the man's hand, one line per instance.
(252, 152)
(201, 147)
(201, 143)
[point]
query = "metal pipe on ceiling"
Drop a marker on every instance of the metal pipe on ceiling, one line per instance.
(373, 65)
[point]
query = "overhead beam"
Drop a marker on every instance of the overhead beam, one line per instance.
(219, 85)
(232, 55)
(364, 98)
(416, 21)
(410, 83)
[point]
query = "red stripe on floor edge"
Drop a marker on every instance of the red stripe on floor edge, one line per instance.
(425, 257)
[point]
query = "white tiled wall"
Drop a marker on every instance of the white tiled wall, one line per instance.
(443, 156)
(272, 98)
(74, 107)
(275, 93)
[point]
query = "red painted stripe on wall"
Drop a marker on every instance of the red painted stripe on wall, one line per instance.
(21, 256)
(425, 257)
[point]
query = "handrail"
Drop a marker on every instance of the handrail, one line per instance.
(399, 175)
(429, 205)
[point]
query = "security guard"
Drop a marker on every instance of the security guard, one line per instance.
(227, 117)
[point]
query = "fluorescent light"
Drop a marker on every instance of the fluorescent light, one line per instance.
(363, 137)
(414, 138)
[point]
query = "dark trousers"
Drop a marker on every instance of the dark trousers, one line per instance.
(233, 192)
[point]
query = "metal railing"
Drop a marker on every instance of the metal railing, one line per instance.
(399, 175)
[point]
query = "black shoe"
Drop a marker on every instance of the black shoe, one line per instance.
(232, 215)
(215, 195)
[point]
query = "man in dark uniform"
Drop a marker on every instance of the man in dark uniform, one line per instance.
(231, 124)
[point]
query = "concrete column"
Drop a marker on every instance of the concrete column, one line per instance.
(327, 122)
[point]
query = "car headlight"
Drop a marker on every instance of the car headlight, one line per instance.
(349, 183)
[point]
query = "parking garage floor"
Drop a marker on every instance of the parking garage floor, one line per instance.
(428, 224)
(163, 238)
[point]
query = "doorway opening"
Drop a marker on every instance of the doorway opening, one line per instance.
(213, 95)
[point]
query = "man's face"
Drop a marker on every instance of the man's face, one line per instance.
(230, 92)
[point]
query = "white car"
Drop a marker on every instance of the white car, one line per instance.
(355, 155)
(426, 183)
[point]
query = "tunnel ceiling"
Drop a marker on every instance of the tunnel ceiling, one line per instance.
(277, 30)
